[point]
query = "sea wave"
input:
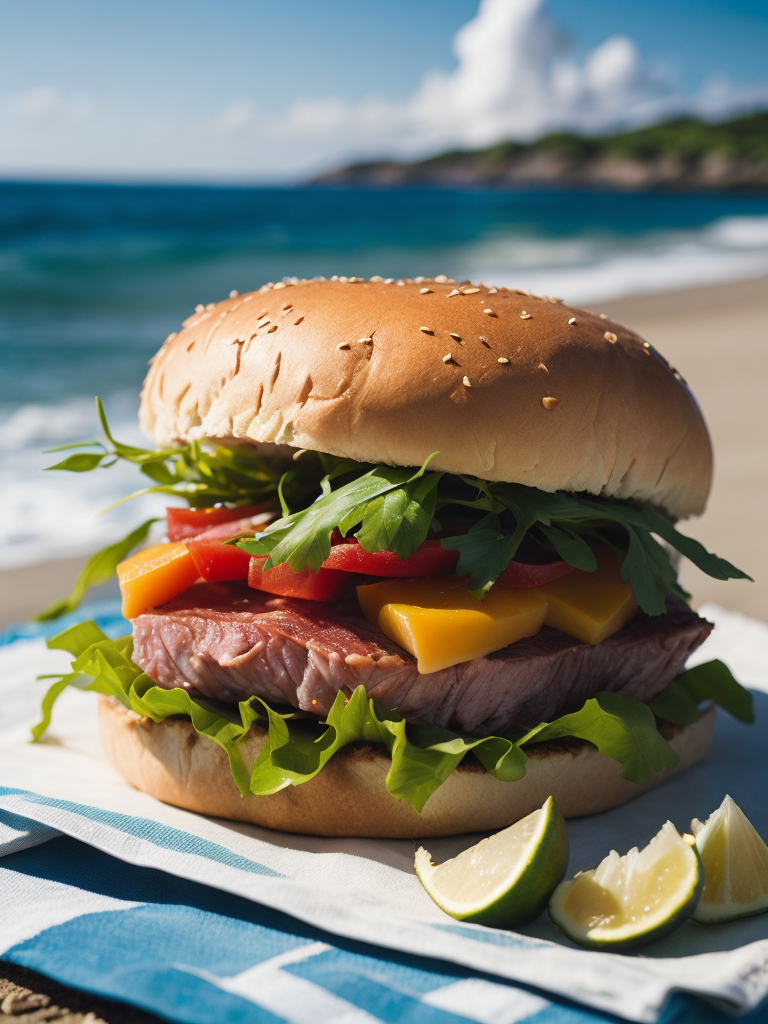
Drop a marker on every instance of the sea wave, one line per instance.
(594, 269)
(52, 515)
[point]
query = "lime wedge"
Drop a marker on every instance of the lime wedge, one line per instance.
(506, 879)
(735, 861)
(628, 901)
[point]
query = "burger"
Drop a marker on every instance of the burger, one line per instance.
(426, 572)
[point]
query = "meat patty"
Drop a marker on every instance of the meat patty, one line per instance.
(229, 642)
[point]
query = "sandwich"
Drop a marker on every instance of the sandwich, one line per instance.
(420, 570)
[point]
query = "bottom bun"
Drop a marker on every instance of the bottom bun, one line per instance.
(173, 763)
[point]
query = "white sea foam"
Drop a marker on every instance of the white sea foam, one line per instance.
(56, 515)
(591, 269)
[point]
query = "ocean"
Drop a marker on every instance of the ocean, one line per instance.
(93, 277)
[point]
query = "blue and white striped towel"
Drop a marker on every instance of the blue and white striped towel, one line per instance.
(195, 919)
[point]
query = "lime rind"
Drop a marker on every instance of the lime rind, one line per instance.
(499, 890)
(632, 900)
(735, 860)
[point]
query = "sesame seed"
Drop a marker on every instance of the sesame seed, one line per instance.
(541, 366)
(426, 330)
(355, 280)
(551, 298)
(441, 278)
(492, 291)
(234, 293)
(456, 337)
(335, 277)
(526, 316)
(603, 316)
(281, 284)
(401, 283)
(425, 291)
(489, 312)
(377, 279)
(610, 336)
(173, 334)
(272, 329)
(343, 344)
(646, 344)
(469, 291)
(466, 382)
(297, 322)
(572, 321)
(454, 292)
(448, 358)
(388, 280)
(549, 402)
(418, 280)
(210, 305)
(365, 341)
(199, 307)
(502, 359)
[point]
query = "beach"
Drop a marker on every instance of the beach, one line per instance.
(718, 337)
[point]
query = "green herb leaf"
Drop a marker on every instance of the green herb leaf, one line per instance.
(679, 703)
(203, 474)
(100, 568)
(620, 727)
(303, 539)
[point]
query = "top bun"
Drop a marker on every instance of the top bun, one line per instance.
(504, 385)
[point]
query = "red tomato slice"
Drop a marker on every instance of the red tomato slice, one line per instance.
(429, 559)
(531, 574)
(312, 586)
(216, 560)
(188, 522)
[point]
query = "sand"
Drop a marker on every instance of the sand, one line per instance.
(718, 338)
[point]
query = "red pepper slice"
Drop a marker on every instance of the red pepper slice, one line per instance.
(311, 586)
(216, 560)
(429, 559)
(188, 522)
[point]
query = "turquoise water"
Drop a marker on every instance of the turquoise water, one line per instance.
(92, 278)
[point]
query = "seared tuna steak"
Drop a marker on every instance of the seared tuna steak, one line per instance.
(228, 642)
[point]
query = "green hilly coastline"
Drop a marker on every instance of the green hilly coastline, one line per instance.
(684, 154)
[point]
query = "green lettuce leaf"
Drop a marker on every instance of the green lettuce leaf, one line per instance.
(297, 746)
(679, 703)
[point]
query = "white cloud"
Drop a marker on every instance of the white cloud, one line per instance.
(47, 103)
(515, 79)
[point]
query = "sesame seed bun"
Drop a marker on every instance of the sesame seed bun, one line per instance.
(504, 385)
(173, 763)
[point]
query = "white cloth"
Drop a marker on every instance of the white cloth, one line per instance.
(367, 889)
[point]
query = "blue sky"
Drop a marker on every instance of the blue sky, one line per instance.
(241, 88)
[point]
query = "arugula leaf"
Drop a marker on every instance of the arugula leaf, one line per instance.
(295, 747)
(399, 523)
(202, 473)
(100, 568)
(568, 522)
(679, 703)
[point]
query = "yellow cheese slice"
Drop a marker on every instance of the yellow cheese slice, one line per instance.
(591, 605)
(441, 624)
